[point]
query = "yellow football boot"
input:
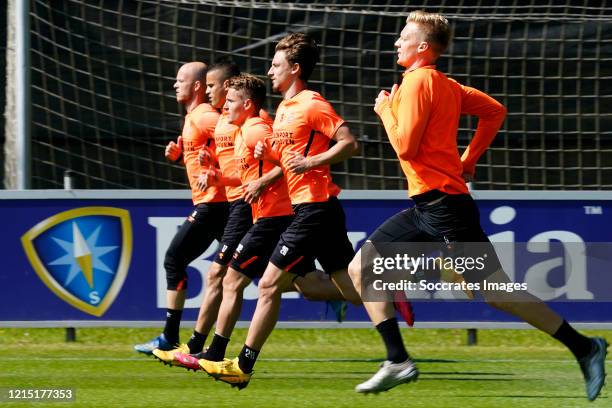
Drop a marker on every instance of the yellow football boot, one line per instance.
(227, 371)
(168, 357)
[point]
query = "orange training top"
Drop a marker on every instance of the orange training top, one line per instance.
(225, 133)
(305, 124)
(422, 121)
(274, 200)
(197, 132)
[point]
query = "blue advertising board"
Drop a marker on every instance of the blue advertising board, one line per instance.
(97, 256)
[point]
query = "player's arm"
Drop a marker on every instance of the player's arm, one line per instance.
(491, 115)
(213, 176)
(253, 137)
(405, 130)
(345, 147)
(259, 139)
(253, 189)
(221, 179)
(322, 118)
(206, 123)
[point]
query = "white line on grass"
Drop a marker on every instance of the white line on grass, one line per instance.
(310, 360)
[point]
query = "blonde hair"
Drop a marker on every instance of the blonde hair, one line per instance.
(253, 87)
(435, 28)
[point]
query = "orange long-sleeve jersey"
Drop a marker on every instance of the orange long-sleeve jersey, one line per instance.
(225, 135)
(274, 200)
(197, 132)
(305, 124)
(422, 121)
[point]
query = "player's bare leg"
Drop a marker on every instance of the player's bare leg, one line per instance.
(271, 287)
(398, 368)
(522, 305)
(206, 317)
(212, 298)
(317, 286)
(238, 371)
(234, 284)
(344, 283)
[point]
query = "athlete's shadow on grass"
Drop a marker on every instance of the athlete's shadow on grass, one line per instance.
(351, 360)
(575, 397)
(468, 373)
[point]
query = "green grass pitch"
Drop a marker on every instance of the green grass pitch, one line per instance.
(301, 368)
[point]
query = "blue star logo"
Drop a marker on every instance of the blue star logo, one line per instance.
(82, 255)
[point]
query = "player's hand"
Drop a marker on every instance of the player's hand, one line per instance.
(297, 163)
(206, 157)
(259, 150)
(207, 178)
(174, 150)
(384, 97)
(253, 190)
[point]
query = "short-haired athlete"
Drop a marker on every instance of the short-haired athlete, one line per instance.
(206, 222)
(220, 165)
(421, 117)
(272, 214)
(237, 223)
(304, 125)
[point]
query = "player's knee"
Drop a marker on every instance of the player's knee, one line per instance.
(233, 282)
(354, 272)
(268, 288)
(215, 275)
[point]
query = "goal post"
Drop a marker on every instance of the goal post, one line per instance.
(17, 111)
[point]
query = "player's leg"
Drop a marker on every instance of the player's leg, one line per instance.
(191, 240)
(271, 286)
(238, 371)
(334, 251)
(229, 310)
(248, 262)
(316, 286)
(234, 284)
(589, 352)
(293, 249)
(398, 368)
(238, 223)
(213, 294)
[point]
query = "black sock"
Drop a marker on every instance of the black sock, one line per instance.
(247, 358)
(196, 342)
(216, 351)
(389, 331)
(578, 344)
(173, 322)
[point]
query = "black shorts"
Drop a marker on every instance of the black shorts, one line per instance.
(317, 231)
(253, 252)
(200, 229)
(238, 223)
(439, 217)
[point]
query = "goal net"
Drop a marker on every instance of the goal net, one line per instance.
(103, 104)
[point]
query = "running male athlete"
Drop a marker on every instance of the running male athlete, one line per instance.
(207, 220)
(421, 118)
